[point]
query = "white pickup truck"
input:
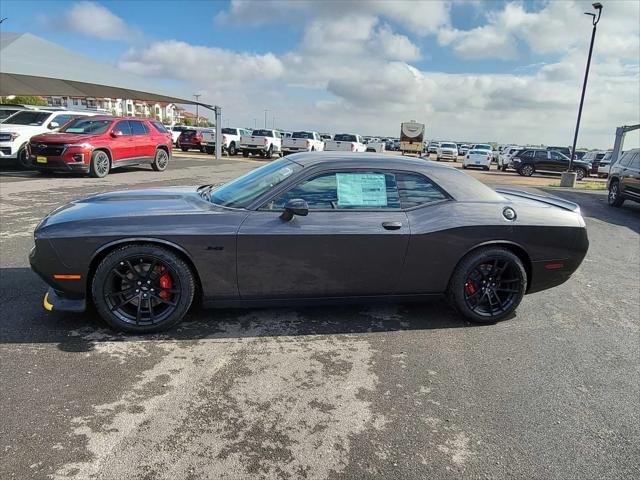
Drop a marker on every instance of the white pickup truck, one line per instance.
(303, 142)
(345, 142)
(17, 130)
(230, 141)
(265, 143)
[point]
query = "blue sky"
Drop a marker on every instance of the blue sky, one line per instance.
(506, 71)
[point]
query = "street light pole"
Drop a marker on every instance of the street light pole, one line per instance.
(197, 96)
(265, 118)
(595, 19)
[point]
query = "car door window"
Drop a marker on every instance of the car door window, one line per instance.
(123, 127)
(635, 162)
(541, 155)
(343, 191)
(626, 159)
(527, 154)
(415, 189)
(556, 156)
(137, 128)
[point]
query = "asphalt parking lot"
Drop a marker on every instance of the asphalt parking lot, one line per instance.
(403, 391)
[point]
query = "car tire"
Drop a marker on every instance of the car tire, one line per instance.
(615, 199)
(170, 308)
(526, 170)
(487, 168)
(504, 168)
(581, 173)
(437, 158)
(245, 154)
(269, 153)
(184, 149)
(100, 164)
(232, 149)
(471, 299)
(464, 166)
(160, 161)
(23, 159)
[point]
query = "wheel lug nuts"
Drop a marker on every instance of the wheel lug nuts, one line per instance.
(137, 291)
(148, 281)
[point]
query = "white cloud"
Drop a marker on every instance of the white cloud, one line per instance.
(420, 17)
(94, 20)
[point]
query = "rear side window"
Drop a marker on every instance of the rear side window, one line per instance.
(138, 128)
(626, 159)
(159, 127)
(526, 154)
(635, 161)
(414, 190)
(541, 154)
(122, 126)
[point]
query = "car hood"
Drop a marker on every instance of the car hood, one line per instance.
(58, 137)
(21, 129)
(130, 204)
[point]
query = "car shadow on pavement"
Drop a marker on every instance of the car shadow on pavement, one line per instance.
(593, 204)
(24, 320)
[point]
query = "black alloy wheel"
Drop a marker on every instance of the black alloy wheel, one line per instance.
(161, 160)
(488, 285)
(580, 173)
(100, 164)
(142, 288)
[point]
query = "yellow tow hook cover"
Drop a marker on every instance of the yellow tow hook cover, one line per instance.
(46, 303)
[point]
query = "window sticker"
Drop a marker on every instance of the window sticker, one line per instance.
(361, 189)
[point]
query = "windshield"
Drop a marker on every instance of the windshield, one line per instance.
(29, 118)
(239, 193)
(302, 135)
(343, 137)
(478, 152)
(482, 146)
(6, 114)
(448, 145)
(87, 126)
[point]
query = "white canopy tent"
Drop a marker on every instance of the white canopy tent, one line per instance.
(30, 65)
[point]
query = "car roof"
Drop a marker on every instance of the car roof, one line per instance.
(458, 184)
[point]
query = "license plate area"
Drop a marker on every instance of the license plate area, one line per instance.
(41, 159)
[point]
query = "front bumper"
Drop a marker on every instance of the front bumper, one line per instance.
(449, 155)
(55, 301)
(58, 164)
(7, 151)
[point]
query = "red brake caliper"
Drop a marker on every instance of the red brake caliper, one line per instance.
(165, 282)
(469, 288)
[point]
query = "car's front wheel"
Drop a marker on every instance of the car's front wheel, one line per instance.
(526, 170)
(161, 160)
(488, 285)
(100, 164)
(245, 153)
(142, 289)
(580, 173)
(614, 198)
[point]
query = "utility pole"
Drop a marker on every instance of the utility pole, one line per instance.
(274, 123)
(265, 117)
(197, 96)
(255, 123)
(568, 178)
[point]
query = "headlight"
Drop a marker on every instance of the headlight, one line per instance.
(13, 135)
(80, 145)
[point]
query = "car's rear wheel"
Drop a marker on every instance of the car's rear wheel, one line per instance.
(161, 160)
(269, 152)
(142, 289)
(245, 153)
(100, 164)
(580, 173)
(487, 167)
(614, 198)
(184, 149)
(232, 149)
(526, 170)
(504, 168)
(488, 285)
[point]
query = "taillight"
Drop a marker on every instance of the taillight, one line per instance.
(353, 147)
(224, 139)
(199, 135)
(488, 157)
(308, 143)
(467, 156)
(266, 142)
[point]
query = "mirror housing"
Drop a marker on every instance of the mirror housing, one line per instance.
(295, 206)
(116, 133)
(54, 125)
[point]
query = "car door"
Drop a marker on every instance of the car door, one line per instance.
(542, 161)
(122, 147)
(140, 138)
(352, 242)
(557, 161)
(630, 175)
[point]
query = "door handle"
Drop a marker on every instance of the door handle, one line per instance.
(392, 225)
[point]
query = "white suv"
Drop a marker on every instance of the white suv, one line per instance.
(17, 130)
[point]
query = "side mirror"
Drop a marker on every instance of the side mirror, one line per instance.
(295, 206)
(116, 133)
(54, 125)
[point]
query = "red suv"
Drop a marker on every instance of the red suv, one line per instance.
(98, 144)
(190, 138)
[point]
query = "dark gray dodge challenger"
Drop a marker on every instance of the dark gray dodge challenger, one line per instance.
(308, 228)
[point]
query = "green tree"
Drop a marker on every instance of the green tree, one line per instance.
(187, 122)
(25, 100)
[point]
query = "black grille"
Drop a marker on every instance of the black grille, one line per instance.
(47, 149)
(5, 137)
(5, 150)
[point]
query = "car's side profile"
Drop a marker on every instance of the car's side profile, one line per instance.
(308, 228)
(98, 144)
(624, 179)
(530, 160)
